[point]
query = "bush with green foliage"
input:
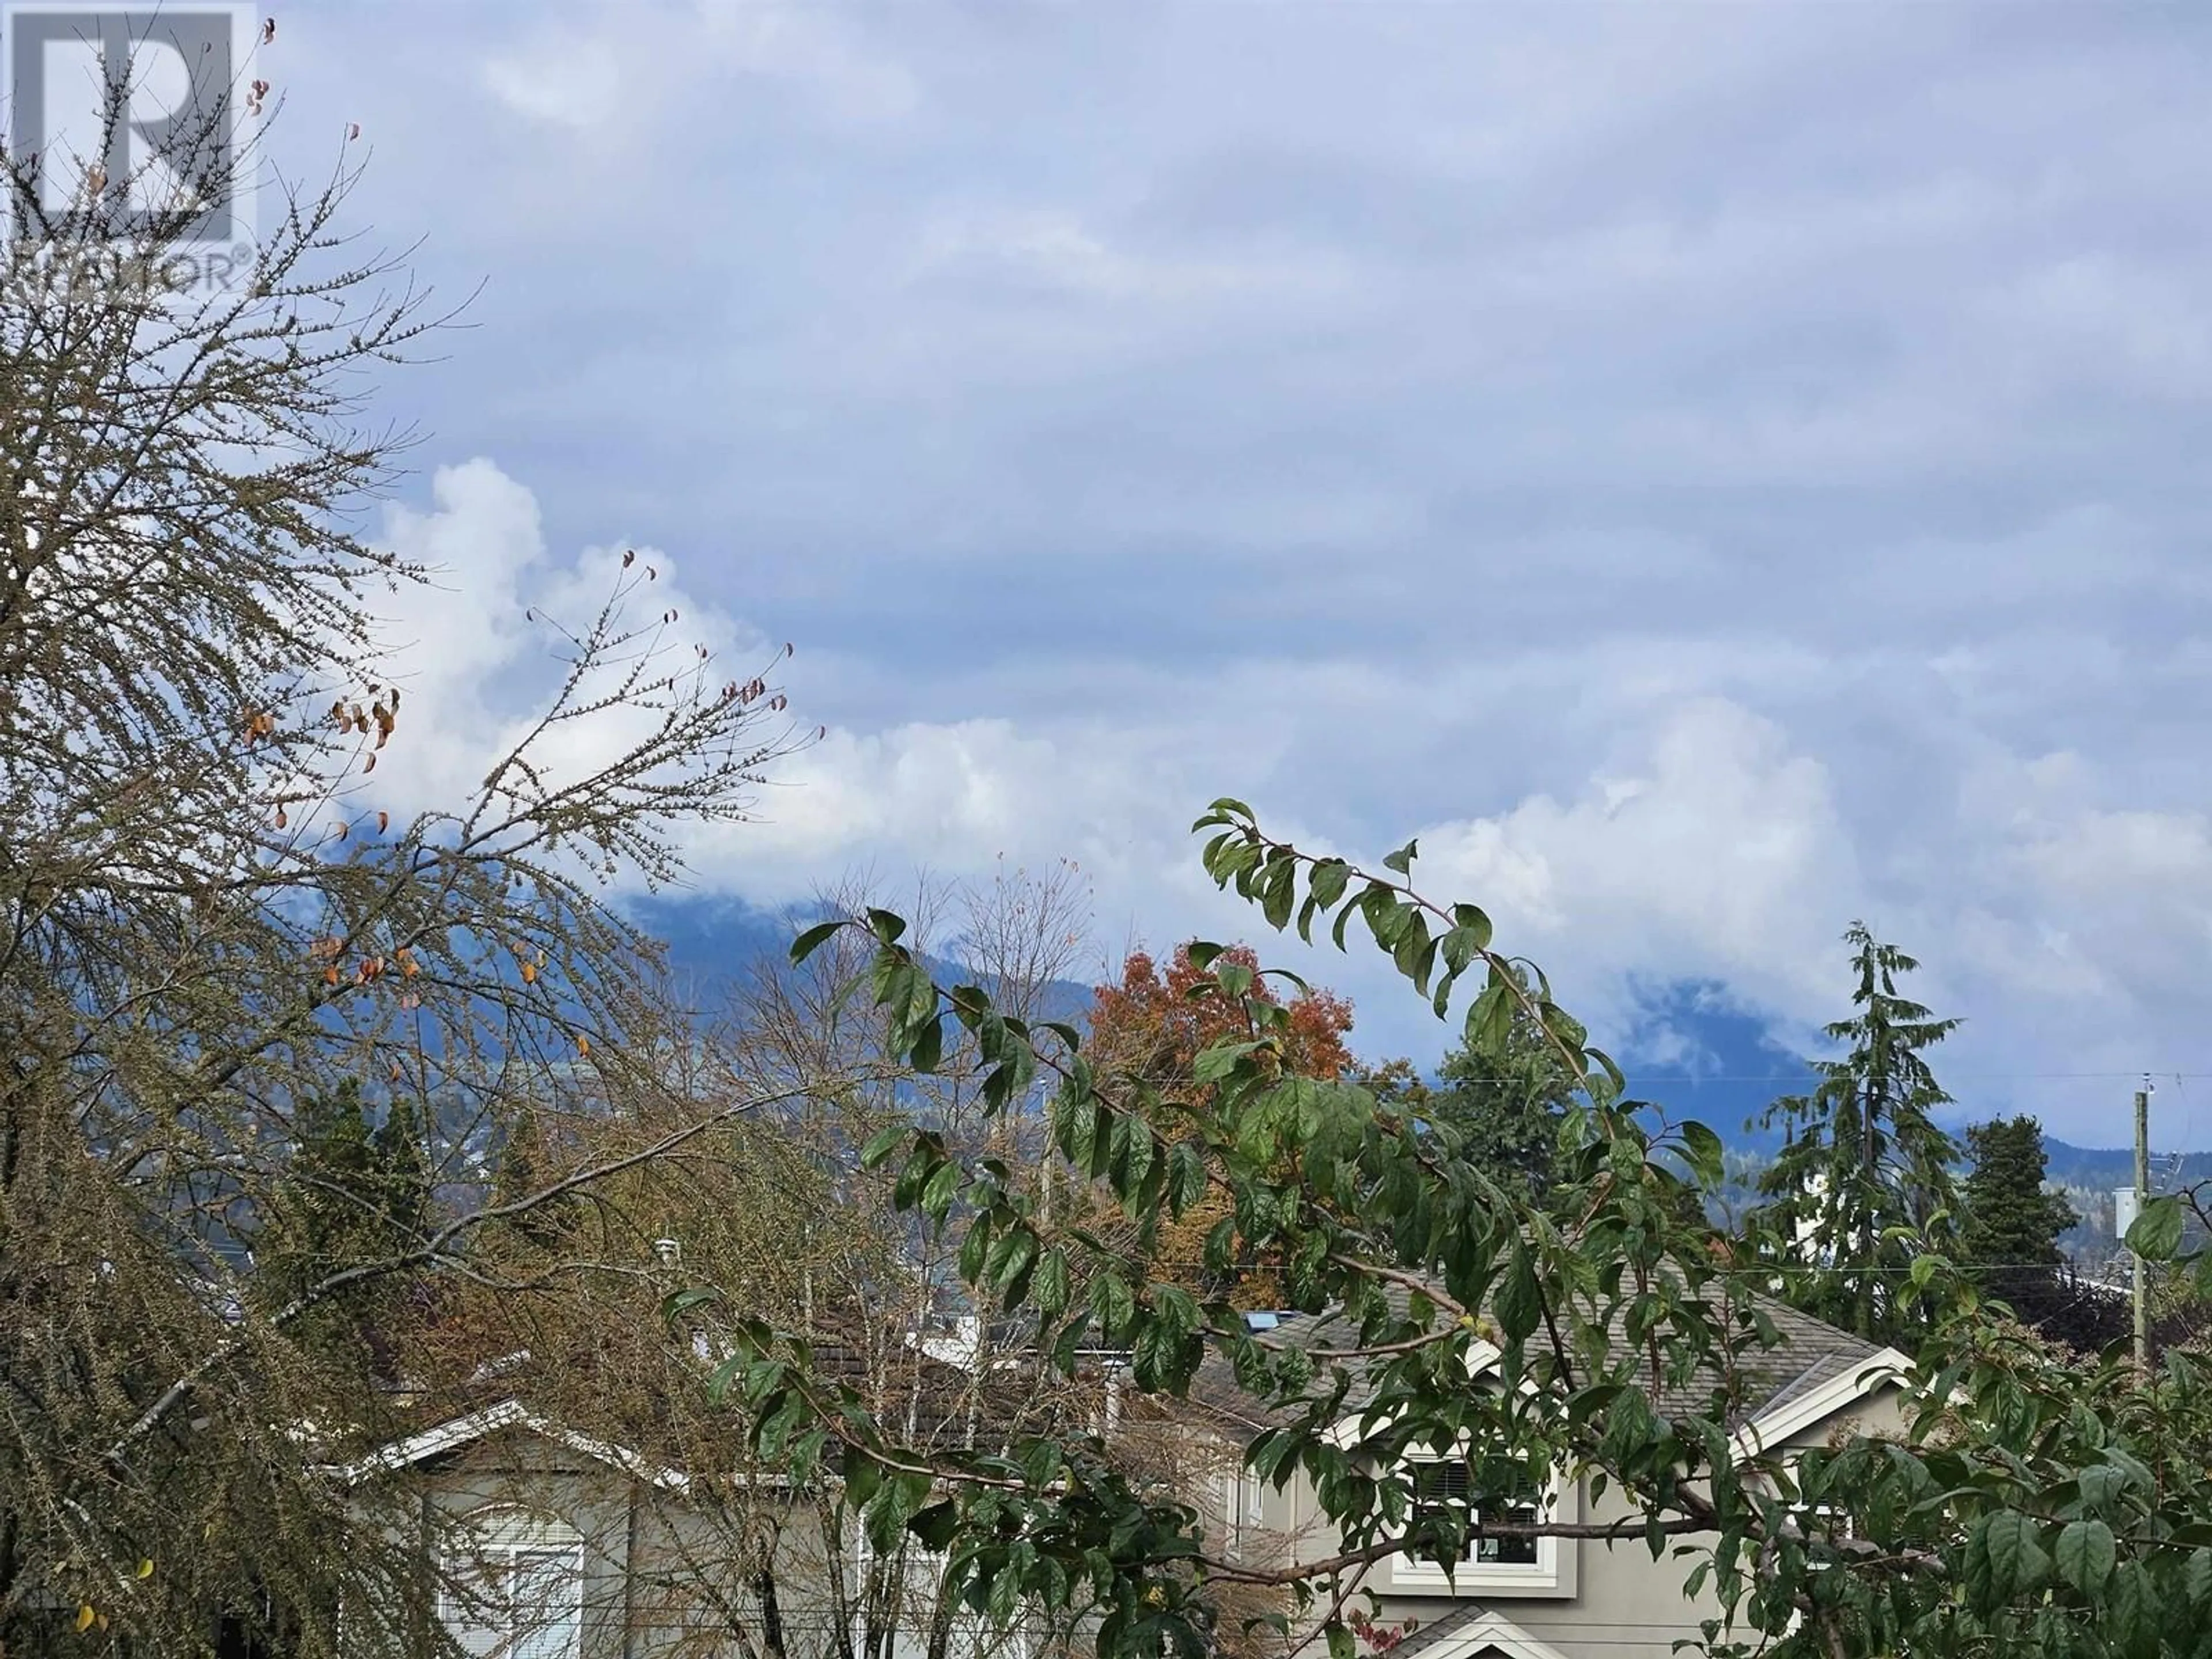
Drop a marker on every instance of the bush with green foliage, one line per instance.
(2040, 1504)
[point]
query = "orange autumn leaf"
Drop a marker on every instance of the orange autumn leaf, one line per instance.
(1148, 1022)
(1149, 1027)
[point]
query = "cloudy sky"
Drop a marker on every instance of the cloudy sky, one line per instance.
(1711, 471)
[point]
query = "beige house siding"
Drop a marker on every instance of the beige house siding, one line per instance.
(1605, 1600)
(664, 1570)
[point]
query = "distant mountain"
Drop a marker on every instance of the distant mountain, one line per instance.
(715, 944)
(1691, 1054)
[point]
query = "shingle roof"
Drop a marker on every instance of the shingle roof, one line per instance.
(1809, 1355)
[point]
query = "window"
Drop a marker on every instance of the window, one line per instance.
(1450, 1485)
(514, 1586)
(1507, 1564)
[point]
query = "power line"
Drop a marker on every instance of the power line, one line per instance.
(1819, 1077)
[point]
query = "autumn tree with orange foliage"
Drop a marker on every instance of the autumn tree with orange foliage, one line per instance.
(1149, 1030)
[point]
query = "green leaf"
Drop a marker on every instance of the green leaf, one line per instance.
(1343, 920)
(1278, 894)
(680, 1302)
(1402, 859)
(2003, 1559)
(1040, 1462)
(1328, 881)
(718, 1379)
(1186, 1177)
(1519, 1302)
(1219, 1060)
(2101, 1484)
(812, 940)
(2196, 1578)
(2131, 1610)
(1050, 1292)
(928, 1045)
(935, 1525)
(1470, 920)
(886, 926)
(1113, 1301)
(882, 1143)
(975, 1248)
(924, 1158)
(2085, 1555)
(1706, 1157)
(937, 1193)
(2156, 1234)
(1013, 1259)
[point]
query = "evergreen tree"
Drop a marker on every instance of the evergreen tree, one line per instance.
(1863, 1183)
(525, 1167)
(2009, 1223)
(349, 1198)
(403, 1176)
(1509, 1101)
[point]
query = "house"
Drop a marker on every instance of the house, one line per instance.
(544, 1540)
(1556, 1598)
(549, 1542)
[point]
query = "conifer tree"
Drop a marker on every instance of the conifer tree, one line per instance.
(401, 1172)
(525, 1167)
(351, 1198)
(2009, 1223)
(1863, 1184)
(1509, 1099)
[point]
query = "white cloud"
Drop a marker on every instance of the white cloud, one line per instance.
(1708, 845)
(618, 73)
(1717, 853)
(480, 647)
(1718, 515)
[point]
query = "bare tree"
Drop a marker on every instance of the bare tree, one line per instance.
(770, 1211)
(208, 914)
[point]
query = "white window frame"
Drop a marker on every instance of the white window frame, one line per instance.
(499, 1540)
(1552, 1574)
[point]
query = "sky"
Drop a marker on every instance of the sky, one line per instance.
(1712, 473)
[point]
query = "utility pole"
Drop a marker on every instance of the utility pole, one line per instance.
(2142, 1198)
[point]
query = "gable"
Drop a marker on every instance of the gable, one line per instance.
(1475, 1632)
(509, 1416)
